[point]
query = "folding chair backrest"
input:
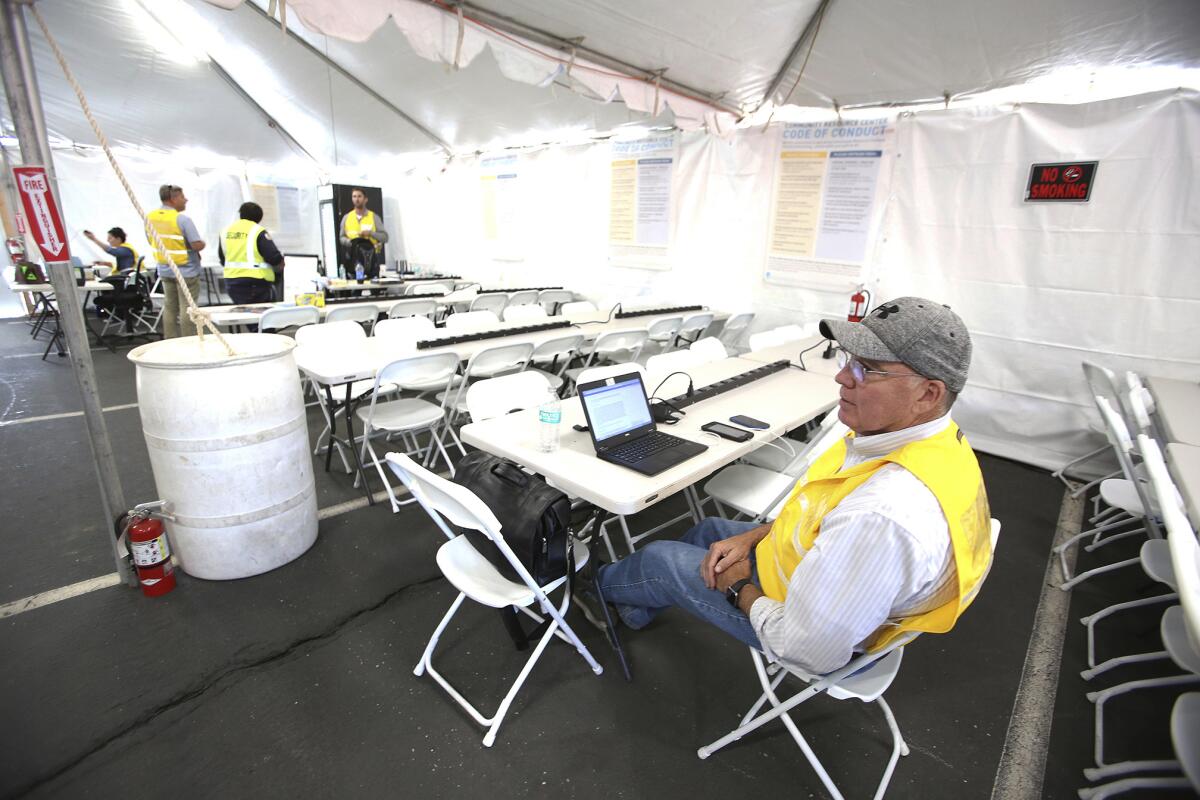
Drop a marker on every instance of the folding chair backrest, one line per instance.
(618, 344)
(442, 499)
(523, 298)
(552, 299)
(405, 330)
(1181, 537)
(709, 349)
(1118, 437)
(694, 326)
(609, 370)
(412, 308)
(344, 332)
(494, 361)
(664, 329)
(418, 371)
(660, 366)
(530, 313)
(429, 287)
(1102, 381)
(274, 319)
(496, 397)
(577, 307)
(362, 314)
(472, 321)
(494, 302)
(560, 348)
(734, 326)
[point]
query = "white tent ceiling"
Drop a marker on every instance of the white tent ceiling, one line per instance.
(150, 90)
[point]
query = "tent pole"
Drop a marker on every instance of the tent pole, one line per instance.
(809, 29)
(355, 80)
(20, 84)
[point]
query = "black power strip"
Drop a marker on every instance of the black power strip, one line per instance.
(522, 289)
(409, 277)
(650, 312)
(663, 410)
(475, 336)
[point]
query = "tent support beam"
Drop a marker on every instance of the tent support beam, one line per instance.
(25, 104)
(809, 30)
(329, 62)
(569, 46)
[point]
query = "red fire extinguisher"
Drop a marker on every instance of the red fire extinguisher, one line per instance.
(151, 556)
(860, 304)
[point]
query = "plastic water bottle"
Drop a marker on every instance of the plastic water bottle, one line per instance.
(549, 421)
(358, 272)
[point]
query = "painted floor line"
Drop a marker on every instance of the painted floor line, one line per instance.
(64, 415)
(112, 579)
(1022, 767)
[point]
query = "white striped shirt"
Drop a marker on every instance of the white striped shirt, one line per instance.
(883, 553)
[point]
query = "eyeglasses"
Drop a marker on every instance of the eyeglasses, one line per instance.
(860, 372)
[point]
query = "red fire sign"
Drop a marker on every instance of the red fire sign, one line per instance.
(42, 211)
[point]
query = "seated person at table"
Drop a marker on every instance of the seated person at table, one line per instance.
(888, 531)
(250, 258)
(126, 257)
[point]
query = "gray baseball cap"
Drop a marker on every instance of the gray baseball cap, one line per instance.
(927, 336)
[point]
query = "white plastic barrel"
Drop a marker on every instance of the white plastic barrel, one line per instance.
(228, 442)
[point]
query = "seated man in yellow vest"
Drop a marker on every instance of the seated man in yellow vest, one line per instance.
(126, 257)
(888, 531)
(249, 257)
(361, 223)
(183, 245)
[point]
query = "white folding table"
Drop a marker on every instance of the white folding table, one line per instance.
(1184, 462)
(1177, 403)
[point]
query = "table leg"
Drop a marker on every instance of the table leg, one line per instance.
(598, 517)
(362, 473)
(331, 418)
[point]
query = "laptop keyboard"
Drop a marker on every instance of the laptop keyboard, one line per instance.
(645, 446)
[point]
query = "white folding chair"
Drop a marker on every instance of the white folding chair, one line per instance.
(1128, 495)
(405, 332)
(576, 307)
(277, 319)
(412, 308)
(616, 346)
(551, 357)
(408, 416)
(528, 313)
(364, 315)
(523, 298)
(496, 397)
(1100, 381)
(733, 329)
(693, 327)
(429, 287)
(490, 362)
(493, 302)
(472, 321)
(552, 299)
(663, 332)
(709, 349)
(865, 678)
(661, 366)
(478, 579)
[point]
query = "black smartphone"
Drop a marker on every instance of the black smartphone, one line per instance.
(727, 431)
(749, 422)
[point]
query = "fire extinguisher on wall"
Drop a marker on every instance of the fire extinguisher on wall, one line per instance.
(860, 304)
(151, 552)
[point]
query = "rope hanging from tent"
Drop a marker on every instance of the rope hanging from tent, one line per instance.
(198, 317)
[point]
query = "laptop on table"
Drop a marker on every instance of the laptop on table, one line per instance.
(623, 430)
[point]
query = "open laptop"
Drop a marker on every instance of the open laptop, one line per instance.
(623, 431)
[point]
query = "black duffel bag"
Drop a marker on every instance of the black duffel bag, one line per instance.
(534, 517)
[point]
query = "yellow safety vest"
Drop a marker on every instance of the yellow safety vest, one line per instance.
(943, 462)
(136, 257)
(242, 259)
(354, 225)
(165, 221)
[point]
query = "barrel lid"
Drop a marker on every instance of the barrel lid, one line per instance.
(189, 352)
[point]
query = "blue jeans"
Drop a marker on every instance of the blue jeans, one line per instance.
(665, 574)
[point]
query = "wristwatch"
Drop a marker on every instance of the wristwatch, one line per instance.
(731, 594)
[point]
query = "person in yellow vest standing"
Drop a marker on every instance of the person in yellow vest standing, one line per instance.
(361, 224)
(888, 531)
(183, 245)
(250, 258)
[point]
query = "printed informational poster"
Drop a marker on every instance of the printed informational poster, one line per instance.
(281, 213)
(824, 203)
(499, 198)
(640, 201)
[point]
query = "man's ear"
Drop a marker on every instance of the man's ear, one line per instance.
(932, 396)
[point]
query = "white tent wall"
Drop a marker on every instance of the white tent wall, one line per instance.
(1043, 286)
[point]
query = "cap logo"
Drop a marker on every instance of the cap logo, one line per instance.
(883, 311)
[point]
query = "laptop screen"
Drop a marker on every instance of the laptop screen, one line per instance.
(616, 408)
